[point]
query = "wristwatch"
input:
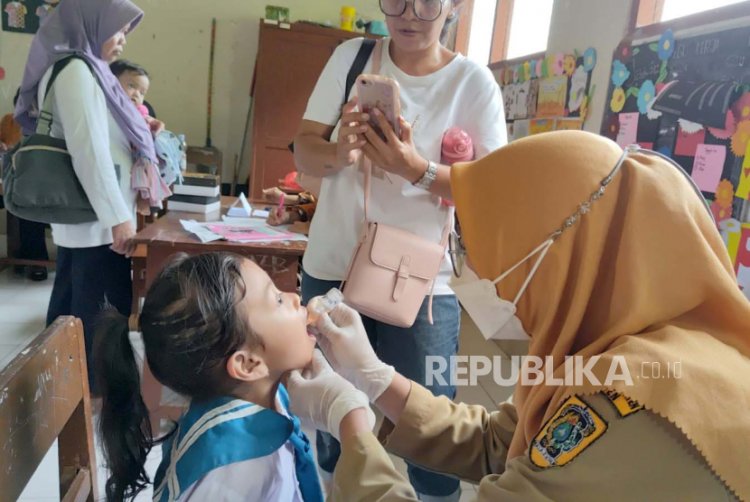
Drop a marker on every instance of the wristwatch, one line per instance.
(430, 175)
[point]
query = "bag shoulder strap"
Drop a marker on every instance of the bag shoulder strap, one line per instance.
(363, 55)
(45, 114)
(376, 60)
(360, 60)
(367, 164)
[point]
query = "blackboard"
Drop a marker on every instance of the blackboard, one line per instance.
(718, 62)
(689, 98)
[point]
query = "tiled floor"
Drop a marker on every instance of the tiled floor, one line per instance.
(23, 305)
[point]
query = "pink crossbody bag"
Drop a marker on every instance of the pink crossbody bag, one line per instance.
(392, 270)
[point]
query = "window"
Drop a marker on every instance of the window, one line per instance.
(656, 11)
(505, 29)
(480, 37)
(679, 8)
(529, 27)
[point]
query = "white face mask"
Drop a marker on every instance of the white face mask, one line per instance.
(495, 317)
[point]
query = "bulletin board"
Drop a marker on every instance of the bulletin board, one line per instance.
(689, 98)
(546, 92)
(25, 16)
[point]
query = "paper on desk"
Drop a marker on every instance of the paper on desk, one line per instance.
(251, 230)
(200, 230)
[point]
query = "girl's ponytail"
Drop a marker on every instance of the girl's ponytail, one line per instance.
(125, 427)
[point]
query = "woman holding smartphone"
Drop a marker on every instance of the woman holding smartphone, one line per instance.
(439, 89)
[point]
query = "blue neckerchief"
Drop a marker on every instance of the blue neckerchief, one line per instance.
(209, 436)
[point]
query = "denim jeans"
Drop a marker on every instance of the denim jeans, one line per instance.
(405, 349)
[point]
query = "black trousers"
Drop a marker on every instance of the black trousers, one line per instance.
(86, 279)
(31, 235)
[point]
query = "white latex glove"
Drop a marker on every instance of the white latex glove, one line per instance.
(344, 342)
(324, 398)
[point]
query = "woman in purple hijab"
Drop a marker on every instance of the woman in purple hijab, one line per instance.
(111, 147)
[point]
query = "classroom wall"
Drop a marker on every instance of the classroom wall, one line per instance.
(173, 42)
(602, 24)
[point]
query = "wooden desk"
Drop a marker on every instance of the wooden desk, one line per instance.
(13, 243)
(157, 242)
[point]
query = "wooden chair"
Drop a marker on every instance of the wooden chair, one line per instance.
(44, 395)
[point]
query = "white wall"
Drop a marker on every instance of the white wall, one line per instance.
(172, 43)
(602, 24)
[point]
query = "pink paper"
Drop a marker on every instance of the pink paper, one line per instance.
(245, 234)
(688, 143)
(708, 166)
(628, 129)
(646, 144)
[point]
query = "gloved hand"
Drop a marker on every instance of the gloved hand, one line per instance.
(344, 342)
(324, 398)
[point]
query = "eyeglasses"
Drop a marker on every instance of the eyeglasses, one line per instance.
(456, 250)
(426, 10)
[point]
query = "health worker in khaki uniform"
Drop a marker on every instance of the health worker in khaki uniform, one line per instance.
(605, 253)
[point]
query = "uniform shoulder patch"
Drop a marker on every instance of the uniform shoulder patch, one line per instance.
(623, 404)
(572, 429)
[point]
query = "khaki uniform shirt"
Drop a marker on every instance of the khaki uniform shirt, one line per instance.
(595, 448)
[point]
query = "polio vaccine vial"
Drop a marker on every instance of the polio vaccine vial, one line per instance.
(323, 304)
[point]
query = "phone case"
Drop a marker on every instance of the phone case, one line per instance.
(376, 91)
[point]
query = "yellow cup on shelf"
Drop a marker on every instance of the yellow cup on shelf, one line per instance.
(348, 16)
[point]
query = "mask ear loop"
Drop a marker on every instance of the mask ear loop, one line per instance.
(543, 248)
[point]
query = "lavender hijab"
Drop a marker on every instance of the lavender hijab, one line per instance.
(82, 27)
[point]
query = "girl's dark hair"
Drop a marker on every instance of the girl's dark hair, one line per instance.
(190, 324)
(122, 65)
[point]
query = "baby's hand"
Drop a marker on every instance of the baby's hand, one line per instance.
(155, 125)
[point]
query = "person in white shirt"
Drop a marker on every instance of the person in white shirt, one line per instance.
(439, 90)
(217, 330)
(110, 145)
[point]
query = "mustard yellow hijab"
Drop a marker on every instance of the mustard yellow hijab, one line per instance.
(643, 275)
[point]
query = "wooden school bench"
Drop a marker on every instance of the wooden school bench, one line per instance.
(44, 395)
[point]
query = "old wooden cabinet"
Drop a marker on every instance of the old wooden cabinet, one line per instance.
(288, 65)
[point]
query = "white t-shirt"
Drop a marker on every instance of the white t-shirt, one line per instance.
(101, 154)
(461, 94)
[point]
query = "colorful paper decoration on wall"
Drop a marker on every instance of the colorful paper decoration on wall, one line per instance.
(538, 126)
(556, 86)
(628, 129)
(689, 98)
(552, 93)
(574, 124)
(25, 16)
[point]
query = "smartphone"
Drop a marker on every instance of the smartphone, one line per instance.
(376, 91)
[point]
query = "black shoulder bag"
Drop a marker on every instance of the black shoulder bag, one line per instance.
(39, 181)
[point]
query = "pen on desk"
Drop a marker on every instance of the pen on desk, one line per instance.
(280, 207)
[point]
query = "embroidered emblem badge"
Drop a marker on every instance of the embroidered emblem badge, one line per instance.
(623, 404)
(571, 430)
